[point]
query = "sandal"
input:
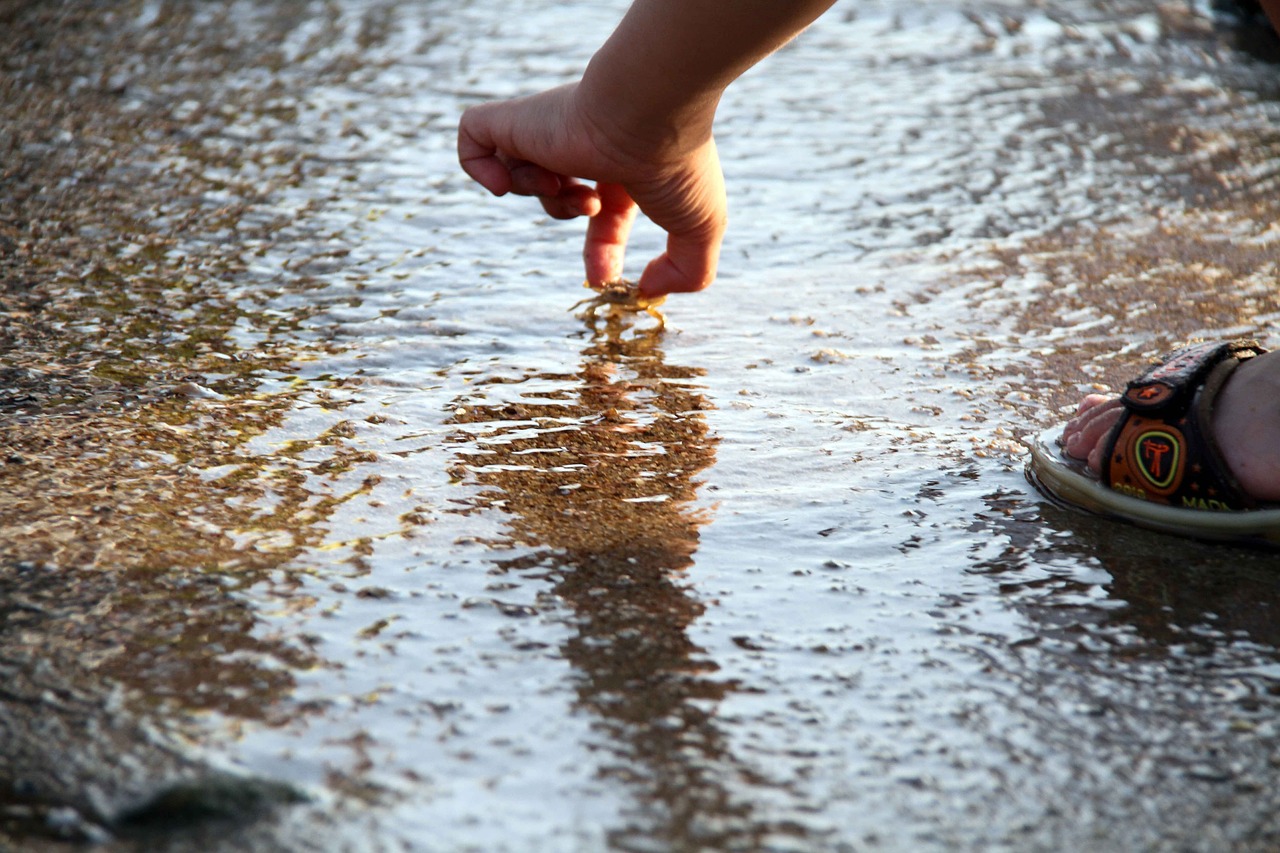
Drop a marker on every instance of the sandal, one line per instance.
(1162, 468)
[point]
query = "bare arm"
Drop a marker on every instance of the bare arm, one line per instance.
(639, 125)
(1272, 8)
(699, 47)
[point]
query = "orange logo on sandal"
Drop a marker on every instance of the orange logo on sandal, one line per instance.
(1158, 455)
(1150, 396)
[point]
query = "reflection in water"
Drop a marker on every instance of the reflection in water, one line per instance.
(1174, 596)
(599, 475)
(1156, 659)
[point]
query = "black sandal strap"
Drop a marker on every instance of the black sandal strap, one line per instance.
(1163, 448)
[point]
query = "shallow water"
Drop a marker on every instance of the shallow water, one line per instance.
(482, 574)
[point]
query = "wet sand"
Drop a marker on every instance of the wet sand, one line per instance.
(308, 538)
(120, 383)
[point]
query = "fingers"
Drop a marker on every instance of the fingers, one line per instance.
(532, 179)
(492, 165)
(607, 233)
(530, 146)
(574, 199)
(478, 153)
(486, 159)
(562, 197)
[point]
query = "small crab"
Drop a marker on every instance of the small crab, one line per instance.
(624, 296)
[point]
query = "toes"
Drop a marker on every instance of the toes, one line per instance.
(1097, 407)
(1084, 437)
(1090, 401)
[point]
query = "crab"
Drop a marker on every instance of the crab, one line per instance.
(621, 296)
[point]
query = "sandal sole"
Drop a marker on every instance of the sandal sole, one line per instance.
(1068, 482)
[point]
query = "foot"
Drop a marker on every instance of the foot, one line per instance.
(1246, 424)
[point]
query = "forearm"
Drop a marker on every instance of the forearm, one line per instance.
(1272, 8)
(663, 70)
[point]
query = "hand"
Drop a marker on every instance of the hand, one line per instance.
(544, 144)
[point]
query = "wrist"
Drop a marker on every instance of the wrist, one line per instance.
(637, 115)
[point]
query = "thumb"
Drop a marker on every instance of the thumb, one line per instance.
(688, 265)
(693, 250)
(690, 204)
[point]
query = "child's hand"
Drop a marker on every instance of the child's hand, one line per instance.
(543, 144)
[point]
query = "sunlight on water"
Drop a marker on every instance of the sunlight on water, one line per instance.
(512, 578)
